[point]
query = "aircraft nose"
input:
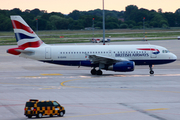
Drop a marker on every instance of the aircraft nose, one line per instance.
(173, 56)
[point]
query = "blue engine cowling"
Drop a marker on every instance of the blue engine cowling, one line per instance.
(125, 66)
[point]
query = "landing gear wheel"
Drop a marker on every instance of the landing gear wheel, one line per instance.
(99, 72)
(93, 71)
(39, 115)
(151, 72)
(61, 114)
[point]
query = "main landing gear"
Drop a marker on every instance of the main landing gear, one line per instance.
(151, 70)
(96, 72)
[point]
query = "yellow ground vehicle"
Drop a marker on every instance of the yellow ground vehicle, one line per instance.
(39, 108)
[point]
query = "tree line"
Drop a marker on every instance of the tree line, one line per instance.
(132, 18)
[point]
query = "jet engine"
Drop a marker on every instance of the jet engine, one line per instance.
(125, 66)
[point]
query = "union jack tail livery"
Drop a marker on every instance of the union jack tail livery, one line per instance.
(25, 36)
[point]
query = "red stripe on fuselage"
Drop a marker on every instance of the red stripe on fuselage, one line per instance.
(17, 25)
(148, 49)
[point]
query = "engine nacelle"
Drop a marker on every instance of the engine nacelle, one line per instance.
(125, 66)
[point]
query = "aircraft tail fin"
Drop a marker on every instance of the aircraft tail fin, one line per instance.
(25, 36)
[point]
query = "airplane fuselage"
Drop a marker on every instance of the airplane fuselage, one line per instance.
(78, 55)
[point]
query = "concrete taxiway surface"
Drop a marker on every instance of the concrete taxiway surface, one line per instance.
(114, 95)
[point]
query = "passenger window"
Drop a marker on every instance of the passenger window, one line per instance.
(41, 104)
(49, 103)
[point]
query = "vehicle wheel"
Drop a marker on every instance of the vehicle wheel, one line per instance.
(29, 116)
(39, 115)
(99, 72)
(151, 72)
(61, 114)
(93, 71)
(51, 115)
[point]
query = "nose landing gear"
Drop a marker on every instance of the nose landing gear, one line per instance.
(151, 70)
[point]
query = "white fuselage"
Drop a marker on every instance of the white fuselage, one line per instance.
(63, 54)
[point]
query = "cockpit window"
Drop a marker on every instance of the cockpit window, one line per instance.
(165, 51)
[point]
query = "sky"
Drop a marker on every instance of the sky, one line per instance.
(67, 6)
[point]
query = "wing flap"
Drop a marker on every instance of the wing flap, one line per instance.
(104, 59)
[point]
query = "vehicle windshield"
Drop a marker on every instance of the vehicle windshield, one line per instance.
(55, 104)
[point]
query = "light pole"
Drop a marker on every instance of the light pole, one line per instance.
(103, 25)
(93, 28)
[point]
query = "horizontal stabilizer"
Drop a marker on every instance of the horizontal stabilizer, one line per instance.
(24, 51)
(17, 51)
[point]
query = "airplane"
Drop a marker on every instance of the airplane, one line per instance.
(118, 58)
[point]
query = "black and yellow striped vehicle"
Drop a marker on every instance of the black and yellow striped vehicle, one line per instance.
(39, 108)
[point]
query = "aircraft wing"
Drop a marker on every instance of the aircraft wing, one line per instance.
(104, 59)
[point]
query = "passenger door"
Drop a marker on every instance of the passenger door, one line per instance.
(48, 53)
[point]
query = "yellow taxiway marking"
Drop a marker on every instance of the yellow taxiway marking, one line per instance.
(62, 83)
(156, 109)
(52, 74)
